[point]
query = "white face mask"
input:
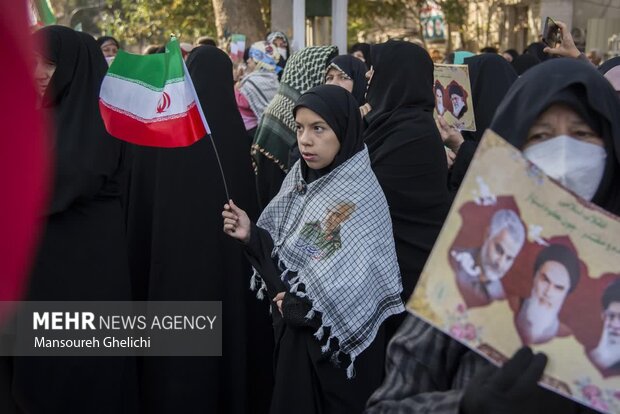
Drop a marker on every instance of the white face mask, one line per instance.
(282, 51)
(577, 165)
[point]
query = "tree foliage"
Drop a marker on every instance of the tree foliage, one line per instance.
(141, 22)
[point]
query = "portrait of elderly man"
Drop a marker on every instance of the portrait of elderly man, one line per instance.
(324, 237)
(606, 355)
(556, 275)
(458, 97)
(479, 270)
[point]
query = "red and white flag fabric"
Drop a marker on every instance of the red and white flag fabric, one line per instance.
(150, 100)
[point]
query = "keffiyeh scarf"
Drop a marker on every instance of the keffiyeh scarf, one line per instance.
(336, 234)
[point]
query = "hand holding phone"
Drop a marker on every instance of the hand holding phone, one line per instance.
(562, 43)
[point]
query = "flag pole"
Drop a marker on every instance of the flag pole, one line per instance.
(206, 125)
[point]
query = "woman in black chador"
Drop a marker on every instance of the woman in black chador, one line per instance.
(82, 255)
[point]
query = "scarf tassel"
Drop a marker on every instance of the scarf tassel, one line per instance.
(253, 281)
(319, 333)
(261, 292)
(310, 314)
(351, 369)
(326, 347)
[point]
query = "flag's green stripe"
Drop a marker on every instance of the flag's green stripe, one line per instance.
(153, 71)
(45, 12)
(146, 85)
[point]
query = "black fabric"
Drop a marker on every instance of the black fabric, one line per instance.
(512, 53)
(514, 389)
(490, 76)
(192, 259)
(101, 40)
(406, 152)
(306, 380)
(609, 65)
(581, 86)
(365, 49)
(536, 49)
(82, 254)
(356, 70)
(340, 110)
(524, 62)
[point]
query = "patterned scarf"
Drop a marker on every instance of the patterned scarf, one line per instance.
(336, 234)
(276, 134)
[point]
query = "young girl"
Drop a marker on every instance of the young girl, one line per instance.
(323, 252)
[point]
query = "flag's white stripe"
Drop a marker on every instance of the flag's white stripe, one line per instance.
(147, 121)
(130, 97)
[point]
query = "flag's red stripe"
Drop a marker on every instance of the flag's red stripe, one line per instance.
(179, 132)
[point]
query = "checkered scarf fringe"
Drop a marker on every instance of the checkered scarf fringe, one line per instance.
(356, 288)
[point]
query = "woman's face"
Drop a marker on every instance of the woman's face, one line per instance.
(559, 120)
(109, 48)
(336, 77)
(44, 69)
(318, 143)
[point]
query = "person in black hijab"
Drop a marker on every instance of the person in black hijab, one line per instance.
(109, 46)
(580, 87)
(491, 76)
(407, 152)
(350, 73)
(524, 62)
(445, 375)
(307, 381)
(611, 70)
(510, 54)
(82, 255)
(190, 258)
(362, 52)
(536, 49)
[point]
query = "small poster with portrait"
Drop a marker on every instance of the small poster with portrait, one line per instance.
(521, 261)
(453, 99)
(237, 47)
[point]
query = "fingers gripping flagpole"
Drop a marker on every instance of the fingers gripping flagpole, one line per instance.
(206, 125)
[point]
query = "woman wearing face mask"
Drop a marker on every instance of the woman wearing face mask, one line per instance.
(571, 130)
(324, 254)
(350, 73)
(564, 116)
(82, 254)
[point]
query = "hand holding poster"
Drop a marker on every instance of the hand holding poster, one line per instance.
(453, 98)
(237, 47)
(522, 261)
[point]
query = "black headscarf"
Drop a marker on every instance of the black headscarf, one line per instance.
(512, 53)
(609, 65)
(340, 110)
(192, 259)
(356, 70)
(86, 155)
(103, 39)
(491, 76)
(365, 49)
(406, 151)
(536, 50)
(580, 86)
(524, 62)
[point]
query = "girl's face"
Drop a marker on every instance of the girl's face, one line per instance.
(335, 77)
(318, 143)
(109, 48)
(44, 69)
(559, 120)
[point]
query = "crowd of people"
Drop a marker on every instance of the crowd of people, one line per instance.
(340, 180)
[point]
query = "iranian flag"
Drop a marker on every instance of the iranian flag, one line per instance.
(40, 13)
(150, 100)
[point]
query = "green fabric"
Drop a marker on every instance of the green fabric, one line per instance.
(276, 134)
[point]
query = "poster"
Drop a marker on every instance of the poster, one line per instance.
(522, 261)
(237, 47)
(433, 22)
(453, 98)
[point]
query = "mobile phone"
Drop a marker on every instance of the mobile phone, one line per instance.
(551, 33)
